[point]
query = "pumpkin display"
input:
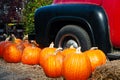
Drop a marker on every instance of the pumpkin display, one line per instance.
(76, 66)
(97, 57)
(46, 52)
(53, 65)
(12, 53)
(31, 55)
(70, 63)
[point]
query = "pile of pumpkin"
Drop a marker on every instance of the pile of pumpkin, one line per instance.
(70, 63)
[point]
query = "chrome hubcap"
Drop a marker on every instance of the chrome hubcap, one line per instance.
(71, 42)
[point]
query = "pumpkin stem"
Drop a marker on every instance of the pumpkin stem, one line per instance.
(8, 38)
(51, 45)
(25, 37)
(33, 43)
(94, 48)
(78, 50)
(57, 50)
(71, 46)
(13, 37)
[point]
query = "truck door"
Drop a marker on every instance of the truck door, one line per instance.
(112, 8)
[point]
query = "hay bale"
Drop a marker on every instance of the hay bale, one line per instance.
(109, 71)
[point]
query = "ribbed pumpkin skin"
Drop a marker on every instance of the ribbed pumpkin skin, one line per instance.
(76, 67)
(68, 51)
(31, 55)
(97, 58)
(53, 66)
(2, 44)
(12, 53)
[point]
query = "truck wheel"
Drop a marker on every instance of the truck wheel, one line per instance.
(73, 35)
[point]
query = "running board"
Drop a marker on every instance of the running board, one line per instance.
(113, 56)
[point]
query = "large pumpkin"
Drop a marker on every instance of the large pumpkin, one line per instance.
(76, 66)
(97, 57)
(31, 55)
(53, 65)
(12, 52)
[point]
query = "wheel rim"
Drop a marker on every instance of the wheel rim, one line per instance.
(67, 40)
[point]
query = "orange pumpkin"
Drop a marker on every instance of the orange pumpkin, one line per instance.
(97, 57)
(31, 55)
(2, 44)
(76, 66)
(12, 53)
(53, 65)
(68, 51)
(46, 52)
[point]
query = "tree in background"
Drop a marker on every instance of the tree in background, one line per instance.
(28, 12)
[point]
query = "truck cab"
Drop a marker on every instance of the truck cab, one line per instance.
(85, 23)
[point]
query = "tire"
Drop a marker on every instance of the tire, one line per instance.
(73, 35)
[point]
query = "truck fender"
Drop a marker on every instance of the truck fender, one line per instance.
(94, 16)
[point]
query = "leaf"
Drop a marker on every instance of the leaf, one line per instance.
(28, 13)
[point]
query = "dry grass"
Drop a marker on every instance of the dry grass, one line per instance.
(109, 71)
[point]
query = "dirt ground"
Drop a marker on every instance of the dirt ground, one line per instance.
(19, 71)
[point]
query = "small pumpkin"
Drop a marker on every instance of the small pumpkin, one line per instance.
(46, 52)
(96, 56)
(12, 53)
(31, 55)
(53, 65)
(2, 44)
(76, 66)
(68, 51)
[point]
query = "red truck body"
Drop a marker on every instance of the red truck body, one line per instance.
(112, 9)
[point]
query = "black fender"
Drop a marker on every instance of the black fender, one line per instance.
(92, 16)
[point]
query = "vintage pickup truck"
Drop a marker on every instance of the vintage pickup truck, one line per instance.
(84, 23)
